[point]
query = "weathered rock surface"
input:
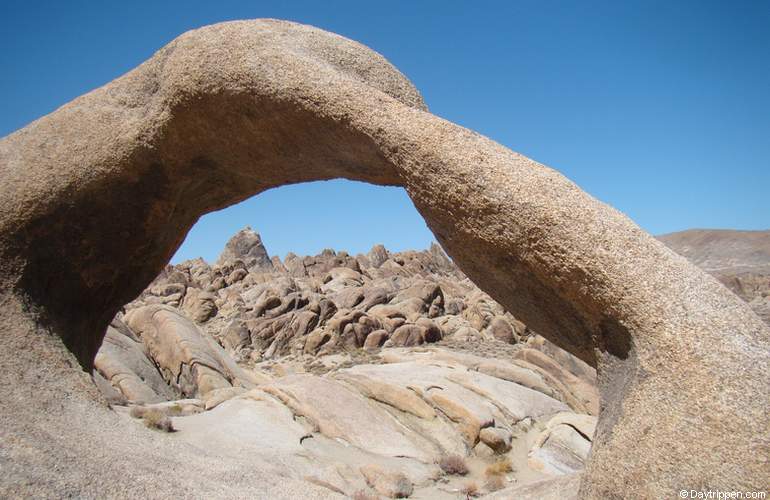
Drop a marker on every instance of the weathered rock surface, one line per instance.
(247, 247)
(559, 488)
(95, 197)
(269, 313)
(563, 447)
(399, 418)
(125, 364)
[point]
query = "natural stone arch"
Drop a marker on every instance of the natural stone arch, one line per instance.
(95, 198)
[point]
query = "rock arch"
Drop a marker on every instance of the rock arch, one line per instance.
(95, 198)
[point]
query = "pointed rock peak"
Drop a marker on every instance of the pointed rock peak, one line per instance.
(438, 252)
(247, 246)
(377, 255)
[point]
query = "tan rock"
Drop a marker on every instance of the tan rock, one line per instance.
(584, 424)
(123, 363)
(376, 339)
(518, 374)
(185, 357)
(407, 336)
(199, 305)
(581, 394)
(95, 197)
(560, 449)
(316, 339)
(390, 484)
(502, 330)
(393, 395)
(218, 396)
(497, 439)
(339, 412)
(557, 488)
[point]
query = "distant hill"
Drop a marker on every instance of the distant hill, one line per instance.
(722, 249)
(739, 259)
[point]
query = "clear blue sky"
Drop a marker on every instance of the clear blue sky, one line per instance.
(660, 108)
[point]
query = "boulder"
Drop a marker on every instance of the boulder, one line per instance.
(377, 255)
(124, 363)
(185, 358)
(407, 336)
(390, 484)
(246, 245)
(375, 339)
(497, 439)
(559, 450)
(199, 305)
(502, 330)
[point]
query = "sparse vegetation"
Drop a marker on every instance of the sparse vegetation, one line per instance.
(153, 418)
(453, 464)
(402, 486)
(470, 490)
(174, 410)
(494, 483)
(499, 468)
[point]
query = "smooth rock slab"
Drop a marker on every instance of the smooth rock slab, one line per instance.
(243, 427)
(341, 413)
(563, 447)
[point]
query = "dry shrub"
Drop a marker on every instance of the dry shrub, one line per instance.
(470, 490)
(153, 419)
(174, 410)
(402, 486)
(499, 468)
(453, 464)
(138, 411)
(494, 483)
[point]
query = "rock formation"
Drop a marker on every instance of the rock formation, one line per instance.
(95, 198)
(312, 371)
(247, 247)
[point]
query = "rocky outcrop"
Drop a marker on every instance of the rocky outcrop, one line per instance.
(125, 364)
(246, 246)
(563, 447)
(95, 197)
(385, 423)
(269, 313)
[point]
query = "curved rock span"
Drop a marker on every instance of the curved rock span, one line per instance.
(96, 197)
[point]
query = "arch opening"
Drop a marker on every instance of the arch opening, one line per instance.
(334, 317)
